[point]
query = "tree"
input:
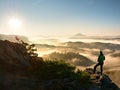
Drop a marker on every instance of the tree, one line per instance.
(31, 49)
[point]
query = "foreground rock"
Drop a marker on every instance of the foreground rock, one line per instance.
(101, 82)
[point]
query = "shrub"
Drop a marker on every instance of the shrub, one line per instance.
(51, 70)
(83, 78)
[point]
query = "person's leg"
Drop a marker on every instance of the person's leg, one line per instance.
(95, 67)
(101, 68)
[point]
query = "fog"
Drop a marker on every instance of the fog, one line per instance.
(88, 48)
(92, 40)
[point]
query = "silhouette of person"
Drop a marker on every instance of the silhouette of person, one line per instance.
(101, 59)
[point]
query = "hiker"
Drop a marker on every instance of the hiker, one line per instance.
(101, 59)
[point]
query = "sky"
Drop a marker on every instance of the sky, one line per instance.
(60, 17)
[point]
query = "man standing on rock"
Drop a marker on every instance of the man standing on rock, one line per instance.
(101, 59)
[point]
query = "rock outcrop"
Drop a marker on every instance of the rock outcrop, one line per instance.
(101, 82)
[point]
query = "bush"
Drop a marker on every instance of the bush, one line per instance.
(83, 78)
(50, 70)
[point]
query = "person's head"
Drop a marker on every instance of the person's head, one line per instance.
(101, 52)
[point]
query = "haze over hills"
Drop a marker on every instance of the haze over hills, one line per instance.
(88, 48)
(51, 40)
(12, 38)
(82, 36)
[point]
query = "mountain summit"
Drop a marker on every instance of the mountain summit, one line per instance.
(78, 35)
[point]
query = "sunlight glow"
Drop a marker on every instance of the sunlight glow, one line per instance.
(14, 23)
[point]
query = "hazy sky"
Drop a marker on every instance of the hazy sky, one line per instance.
(61, 17)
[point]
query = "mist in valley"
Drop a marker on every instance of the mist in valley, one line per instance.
(88, 49)
(83, 53)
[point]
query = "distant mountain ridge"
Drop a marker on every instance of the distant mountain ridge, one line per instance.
(97, 45)
(82, 36)
(78, 35)
(12, 38)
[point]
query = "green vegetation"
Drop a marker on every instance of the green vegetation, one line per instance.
(83, 78)
(48, 70)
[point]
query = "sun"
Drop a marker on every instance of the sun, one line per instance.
(14, 23)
